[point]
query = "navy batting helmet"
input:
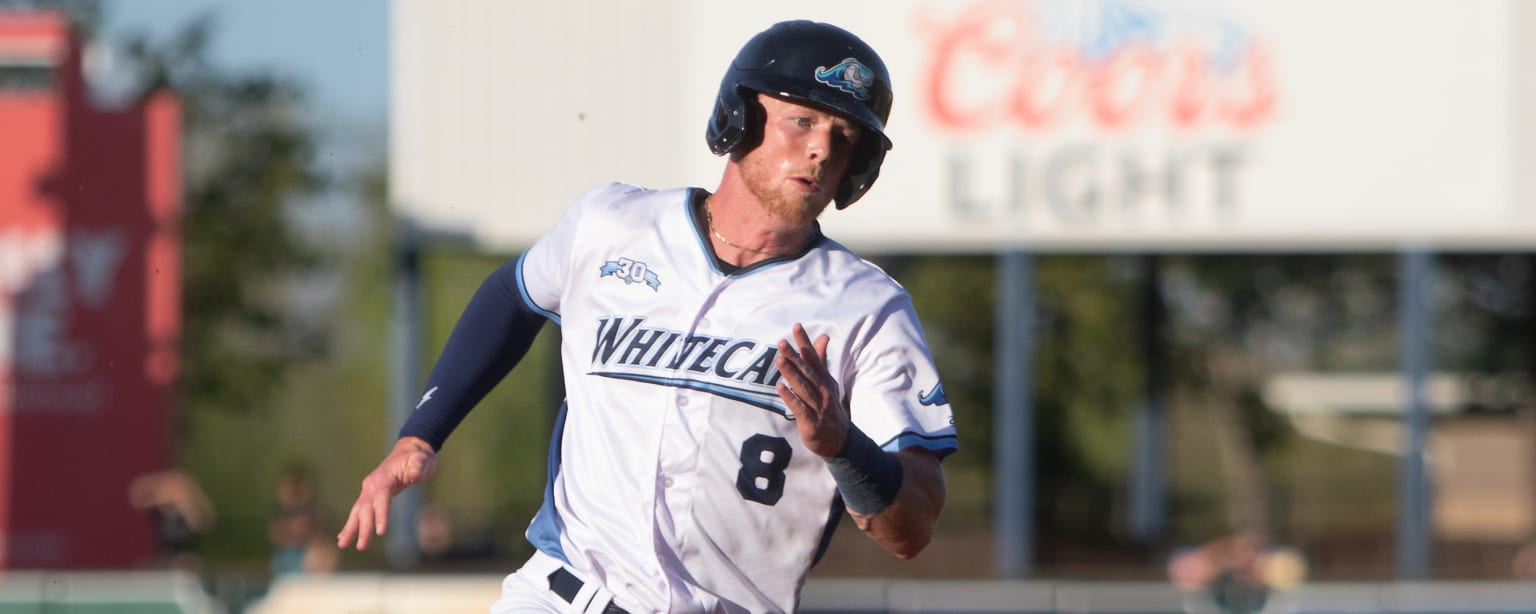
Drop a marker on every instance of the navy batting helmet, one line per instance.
(817, 64)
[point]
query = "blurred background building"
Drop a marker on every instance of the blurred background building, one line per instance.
(1235, 301)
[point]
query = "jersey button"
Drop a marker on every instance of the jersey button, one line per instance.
(666, 482)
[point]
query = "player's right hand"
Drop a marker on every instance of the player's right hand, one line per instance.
(411, 461)
(811, 393)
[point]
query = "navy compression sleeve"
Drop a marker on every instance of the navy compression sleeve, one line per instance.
(492, 335)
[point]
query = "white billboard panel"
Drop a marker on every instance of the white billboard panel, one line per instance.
(1048, 124)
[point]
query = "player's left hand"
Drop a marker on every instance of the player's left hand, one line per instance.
(411, 461)
(811, 393)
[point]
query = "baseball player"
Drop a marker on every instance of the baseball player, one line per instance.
(735, 380)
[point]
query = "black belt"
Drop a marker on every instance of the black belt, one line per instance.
(566, 585)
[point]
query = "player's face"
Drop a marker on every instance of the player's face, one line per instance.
(795, 170)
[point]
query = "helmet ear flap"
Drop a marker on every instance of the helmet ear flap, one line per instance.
(862, 171)
(736, 125)
(724, 125)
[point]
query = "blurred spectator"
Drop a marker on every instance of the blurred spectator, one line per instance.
(178, 511)
(1236, 574)
(440, 541)
(294, 527)
(1524, 564)
(434, 532)
(322, 556)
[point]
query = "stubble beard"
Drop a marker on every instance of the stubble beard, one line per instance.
(796, 208)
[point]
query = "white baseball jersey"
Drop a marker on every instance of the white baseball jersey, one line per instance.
(677, 476)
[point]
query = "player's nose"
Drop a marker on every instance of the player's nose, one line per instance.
(819, 144)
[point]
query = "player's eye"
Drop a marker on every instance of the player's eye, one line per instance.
(803, 122)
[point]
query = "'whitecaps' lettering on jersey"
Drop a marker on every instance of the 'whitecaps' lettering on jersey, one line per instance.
(631, 271)
(737, 369)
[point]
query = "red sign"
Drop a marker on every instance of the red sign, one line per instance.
(1115, 65)
(89, 308)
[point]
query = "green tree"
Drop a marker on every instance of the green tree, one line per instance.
(1087, 380)
(249, 164)
(249, 158)
(1236, 320)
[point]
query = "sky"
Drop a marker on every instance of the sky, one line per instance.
(337, 49)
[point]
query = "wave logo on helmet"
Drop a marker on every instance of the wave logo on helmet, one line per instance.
(850, 76)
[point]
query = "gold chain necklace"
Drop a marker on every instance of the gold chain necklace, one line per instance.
(709, 220)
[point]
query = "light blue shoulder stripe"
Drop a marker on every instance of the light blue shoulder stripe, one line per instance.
(523, 291)
(943, 444)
